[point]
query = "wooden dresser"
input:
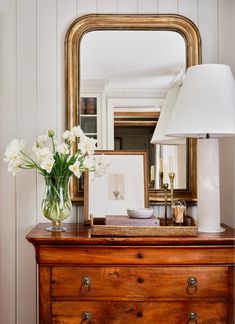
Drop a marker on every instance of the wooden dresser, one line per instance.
(147, 280)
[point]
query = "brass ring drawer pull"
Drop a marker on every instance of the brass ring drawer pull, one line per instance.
(192, 285)
(86, 317)
(86, 283)
(192, 318)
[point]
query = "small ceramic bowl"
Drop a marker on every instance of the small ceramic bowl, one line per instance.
(140, 212)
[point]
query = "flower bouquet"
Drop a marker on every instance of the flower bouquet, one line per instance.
(55, 162)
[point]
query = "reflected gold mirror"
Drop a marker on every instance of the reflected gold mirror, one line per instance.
(118, 71)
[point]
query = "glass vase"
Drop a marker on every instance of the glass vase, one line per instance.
(56, 203)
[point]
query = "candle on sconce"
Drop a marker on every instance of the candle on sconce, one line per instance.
(165, 174)
(171, 169)
(160, 165)
(152, 173)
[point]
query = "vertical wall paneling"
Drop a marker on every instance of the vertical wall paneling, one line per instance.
(107, 6)
(208, 26)
(64, 17)
(227, 145)
(46, 65)
(226, 29)
(227, 183)
(46, 75)
(86, 7)
(167, 6)
(189, 8)
(147, 6)
(26, 188)
(125, 7)
(8, 131)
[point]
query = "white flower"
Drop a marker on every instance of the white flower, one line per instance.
(53, 158)
(47, 164)
(101, 165)
(77, 131)
(41, 142)
(45, 158)
(62, 149)
(87, 145)
(75, 168)
(68, 136)
(88, 162)
(13, 150)
(14, 166)
(44, 154)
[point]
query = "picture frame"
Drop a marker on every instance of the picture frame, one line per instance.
(123, 186)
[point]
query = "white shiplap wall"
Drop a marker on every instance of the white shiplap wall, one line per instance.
(32, 100)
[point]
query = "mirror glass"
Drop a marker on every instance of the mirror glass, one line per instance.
(124, 78)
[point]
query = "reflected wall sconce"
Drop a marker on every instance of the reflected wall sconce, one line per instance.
(205, 109)
(160, 129)
(159, 134)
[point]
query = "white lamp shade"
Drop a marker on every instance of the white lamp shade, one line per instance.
(205, 103)
(159, 132)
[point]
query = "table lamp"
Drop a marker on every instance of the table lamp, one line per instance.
(205, 109)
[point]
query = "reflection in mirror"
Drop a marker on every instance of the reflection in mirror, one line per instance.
(171, 149)
(131, 102)
(125, 76)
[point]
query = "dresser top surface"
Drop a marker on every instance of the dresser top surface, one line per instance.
(79, 234)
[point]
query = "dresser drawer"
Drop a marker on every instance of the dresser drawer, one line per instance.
(140, 282)
(163, 255)
(68, 312)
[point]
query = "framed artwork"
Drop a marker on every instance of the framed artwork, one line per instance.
(123, 186)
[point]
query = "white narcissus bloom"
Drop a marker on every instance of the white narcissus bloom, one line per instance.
(87, 145)
(101, 165)
(13, 155)
(47, 164)
(88, 162)
(14, 166)
(55, 158)
(62, 149)
(43, 154)
(77, 131)
(75, 168)
(45, 158)
(13, 150)
(68, 136)
(41, 142)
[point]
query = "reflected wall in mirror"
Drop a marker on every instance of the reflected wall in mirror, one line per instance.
(135, 65)
(119, 69)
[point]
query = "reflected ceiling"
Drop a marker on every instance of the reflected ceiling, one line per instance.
(117, 58)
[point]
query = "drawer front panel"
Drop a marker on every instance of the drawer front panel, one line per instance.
(150, 282)
(138, 312)
(136, 255)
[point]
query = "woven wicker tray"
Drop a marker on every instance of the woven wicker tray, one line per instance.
(110, 230)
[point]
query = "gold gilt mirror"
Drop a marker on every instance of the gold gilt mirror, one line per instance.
(118, 71)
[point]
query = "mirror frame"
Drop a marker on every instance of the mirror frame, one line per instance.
(93, 22)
